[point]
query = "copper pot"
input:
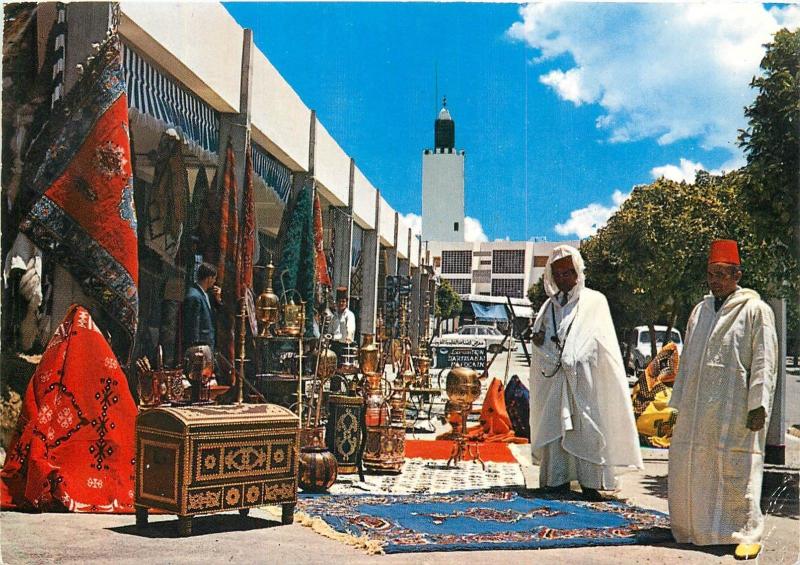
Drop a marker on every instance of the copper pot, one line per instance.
(318, 467)
(326, 361)
(463, 386)
(369, 354)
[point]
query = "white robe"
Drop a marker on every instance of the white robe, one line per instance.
(586, 405)
(728, 367)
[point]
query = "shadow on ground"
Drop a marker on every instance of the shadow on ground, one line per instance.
(201, 525)
(655, 485)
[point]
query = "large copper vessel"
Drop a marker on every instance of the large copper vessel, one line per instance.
(463, 386)
(318, 468)
(369, 355)
(267, 304)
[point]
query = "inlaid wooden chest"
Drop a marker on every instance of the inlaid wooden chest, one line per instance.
(205, 459)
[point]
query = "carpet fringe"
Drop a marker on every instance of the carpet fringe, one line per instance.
(321, 527)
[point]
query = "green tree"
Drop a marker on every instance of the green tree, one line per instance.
(537, 295)
(448, 303)
(650, 258)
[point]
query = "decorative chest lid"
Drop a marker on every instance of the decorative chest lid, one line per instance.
(191, 416)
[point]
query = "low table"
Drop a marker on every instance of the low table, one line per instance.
(207, 459)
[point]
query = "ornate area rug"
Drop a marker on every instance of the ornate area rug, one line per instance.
(425, 476)
(478, 520)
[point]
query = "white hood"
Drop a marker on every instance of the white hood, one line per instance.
(560, 252)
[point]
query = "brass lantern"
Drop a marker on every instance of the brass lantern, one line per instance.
(267, 304)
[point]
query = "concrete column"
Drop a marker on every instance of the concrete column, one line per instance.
(391, 252)
(416, 307)
(775, 452)
(343, 241)
(369, 269)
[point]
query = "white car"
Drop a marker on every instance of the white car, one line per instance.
(476, 335)
(639, 340)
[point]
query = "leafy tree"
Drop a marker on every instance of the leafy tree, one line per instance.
(650, 258)
(448, 303)
(771, 192)
(537, 295)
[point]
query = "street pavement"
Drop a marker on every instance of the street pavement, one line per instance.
(228, 538)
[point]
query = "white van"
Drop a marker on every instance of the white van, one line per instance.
(639, 340)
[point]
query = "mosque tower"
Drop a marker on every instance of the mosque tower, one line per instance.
(443, 183)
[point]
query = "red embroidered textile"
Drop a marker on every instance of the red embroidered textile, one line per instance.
(227, 277)
(321, 261)
(80, 171)
(74, 444)
(442, 450)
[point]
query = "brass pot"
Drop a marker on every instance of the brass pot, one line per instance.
(293, 318)
(326, 361)
(463, 385)
(369, 355)
(318, 467)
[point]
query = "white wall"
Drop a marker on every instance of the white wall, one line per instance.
(386, 224)
(331, 166)
(280, 115)
(364, 199)
(442, 196)
(200, 44)
(402, 239)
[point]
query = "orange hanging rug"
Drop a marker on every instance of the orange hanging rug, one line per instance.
(74, 445)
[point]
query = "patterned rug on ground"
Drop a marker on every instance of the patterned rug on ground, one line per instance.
(420, 476)
(496, 519)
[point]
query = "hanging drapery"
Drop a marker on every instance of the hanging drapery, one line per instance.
(159, 101)
(168, 198)
(323, 277)
(295, 275)
(84, 215)
(272, 172)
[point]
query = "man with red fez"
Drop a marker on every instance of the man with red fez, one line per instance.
(582, 424)
(723, 395)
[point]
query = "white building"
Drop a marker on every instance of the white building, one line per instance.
(498, 268)
(443, 184)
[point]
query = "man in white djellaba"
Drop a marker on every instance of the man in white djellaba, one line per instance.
(582, 423)
(723, 394)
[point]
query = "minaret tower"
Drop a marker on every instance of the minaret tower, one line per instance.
(443, 183)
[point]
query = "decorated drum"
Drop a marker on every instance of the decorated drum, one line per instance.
(343, 433)
(385, 448)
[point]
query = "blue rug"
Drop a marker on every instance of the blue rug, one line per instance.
(480, 520)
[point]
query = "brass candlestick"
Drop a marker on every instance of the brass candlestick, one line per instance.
(242, 315)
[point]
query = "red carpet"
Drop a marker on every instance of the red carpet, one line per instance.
(441, 449)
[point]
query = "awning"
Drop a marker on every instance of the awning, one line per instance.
(489, 312)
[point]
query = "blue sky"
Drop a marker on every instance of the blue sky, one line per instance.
(614, 95)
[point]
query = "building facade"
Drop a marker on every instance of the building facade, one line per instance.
(498, 268)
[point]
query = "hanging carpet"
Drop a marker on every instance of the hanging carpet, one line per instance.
(478, 521)
(79, 168)
(74, 444)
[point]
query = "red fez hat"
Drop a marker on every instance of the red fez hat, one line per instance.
(724, 251)
(341, 292)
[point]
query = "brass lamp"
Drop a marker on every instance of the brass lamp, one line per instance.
(463, 388)
(267, 305)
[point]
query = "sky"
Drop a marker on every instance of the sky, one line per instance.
(562, 108)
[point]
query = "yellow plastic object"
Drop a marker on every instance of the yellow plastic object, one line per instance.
(747, 551)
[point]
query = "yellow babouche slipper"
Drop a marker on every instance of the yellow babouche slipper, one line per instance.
(747, 550)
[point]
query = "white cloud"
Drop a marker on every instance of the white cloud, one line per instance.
(687, 170)
(586, 221)
(414, 221)
(473, 230)
(664, 71)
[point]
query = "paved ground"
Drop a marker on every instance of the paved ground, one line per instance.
(227, 538)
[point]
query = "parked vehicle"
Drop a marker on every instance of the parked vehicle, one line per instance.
(476, 335)
(638, 348)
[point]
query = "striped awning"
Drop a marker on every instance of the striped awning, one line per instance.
(275, 174)
(154, 95)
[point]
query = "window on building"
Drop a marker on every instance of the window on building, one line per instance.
(540, 261)
(455, 226)
(508, 261)
(460, 286)
(485, 262)
(457, 262)
(508, 287)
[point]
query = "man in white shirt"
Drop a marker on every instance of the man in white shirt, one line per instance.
(343, 325)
